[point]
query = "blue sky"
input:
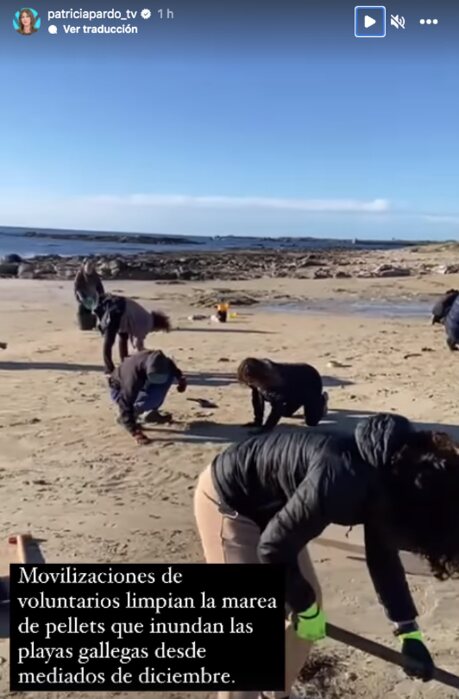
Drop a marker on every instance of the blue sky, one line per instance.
(207, 125)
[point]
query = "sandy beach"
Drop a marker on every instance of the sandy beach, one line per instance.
(74, 478)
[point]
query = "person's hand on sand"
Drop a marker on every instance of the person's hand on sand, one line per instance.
(141, 438)
(419, 662)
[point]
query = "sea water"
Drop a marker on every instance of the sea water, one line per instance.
(389, 308)
(16, 240)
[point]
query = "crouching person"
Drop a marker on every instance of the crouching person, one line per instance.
(286, 388)
(266, 499)
(140, 385)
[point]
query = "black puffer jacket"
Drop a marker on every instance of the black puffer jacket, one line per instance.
(293, 485)
(300, 387)
(452, 322)
(109, 314)
(443, 306)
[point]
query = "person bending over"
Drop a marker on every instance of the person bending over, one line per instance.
(140, 385)
(265, 499)
(443, 306)
(287, 387)
(127, 319)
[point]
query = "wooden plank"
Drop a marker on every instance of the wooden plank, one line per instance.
(412, 564)
(18, 548)
(388, 654)
(28, 549)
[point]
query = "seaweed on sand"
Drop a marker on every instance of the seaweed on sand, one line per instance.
(323, 677)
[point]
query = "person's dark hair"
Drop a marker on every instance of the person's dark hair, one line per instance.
(424, 485)
(255, 372)
(161, 322)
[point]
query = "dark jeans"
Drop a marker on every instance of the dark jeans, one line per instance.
(86, 319)
(150, 397)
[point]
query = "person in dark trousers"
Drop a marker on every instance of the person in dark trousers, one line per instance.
(88, 286)
(266, 498)
(443, 306)
(287, 388)
(140, 385)
(88, 290)
(127, 319)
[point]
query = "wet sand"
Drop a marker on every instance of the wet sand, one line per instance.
(71, 476)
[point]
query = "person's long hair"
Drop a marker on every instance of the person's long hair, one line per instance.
(30, 14)
(258, 373)
(424, 491)
(161, 322)
(88, 267)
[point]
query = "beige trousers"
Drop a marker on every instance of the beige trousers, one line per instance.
(228, 537)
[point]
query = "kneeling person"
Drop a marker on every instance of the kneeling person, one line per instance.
(287, 388)
(140, 385)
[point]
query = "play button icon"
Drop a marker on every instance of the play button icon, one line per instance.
(370, 21)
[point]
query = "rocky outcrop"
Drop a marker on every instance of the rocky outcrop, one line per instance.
(234, 265)
(118, 238)
(167, 267)
(391, 271)
(447, 269)
(11, 259)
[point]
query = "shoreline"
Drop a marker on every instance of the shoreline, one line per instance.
(272, 242)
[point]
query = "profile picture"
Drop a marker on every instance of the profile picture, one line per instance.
(26, 21)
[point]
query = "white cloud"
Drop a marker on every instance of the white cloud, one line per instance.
(224, 202)
(182, 214)
(440, 218)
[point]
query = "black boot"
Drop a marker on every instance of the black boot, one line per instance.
(154, 417)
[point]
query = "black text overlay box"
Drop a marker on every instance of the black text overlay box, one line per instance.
(147, 627)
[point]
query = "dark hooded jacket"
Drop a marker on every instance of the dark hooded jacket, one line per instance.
(109, 314)
(130, 377)
(443, 306)
(452, 322)
(293, 485)
(300, 386)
